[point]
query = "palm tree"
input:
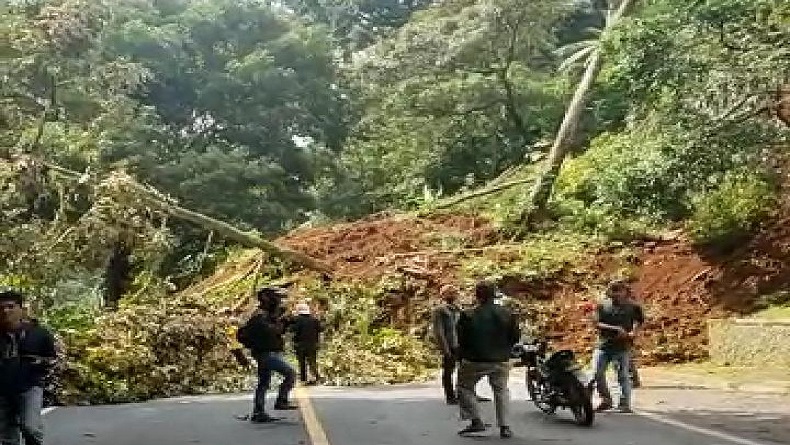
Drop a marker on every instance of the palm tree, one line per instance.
(590, 51)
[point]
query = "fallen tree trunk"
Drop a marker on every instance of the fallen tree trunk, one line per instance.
(449, 202)
(247, 239)
(158, 201)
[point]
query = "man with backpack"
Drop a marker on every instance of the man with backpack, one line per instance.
(27, 353)
(306, 330)
(263, 335)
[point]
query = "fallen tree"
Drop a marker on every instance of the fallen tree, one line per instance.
(122, 183)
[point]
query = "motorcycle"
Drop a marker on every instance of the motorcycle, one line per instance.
(555, 380)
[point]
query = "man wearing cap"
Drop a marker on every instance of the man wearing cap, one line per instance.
(306, 337)
(444, 320)
(617, 319)
(263, 335)
(27, 353)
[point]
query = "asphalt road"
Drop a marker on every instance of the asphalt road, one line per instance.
(416, 415)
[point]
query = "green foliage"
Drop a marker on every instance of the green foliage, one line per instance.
(539, 257)
(778, 301)
(469, 97)
(629, 172)
(725, 215)
(242, 100)
(71, 318)
(358, 23)
(360, 347)
(146, 351)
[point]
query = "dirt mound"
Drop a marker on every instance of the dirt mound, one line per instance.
(375, 246)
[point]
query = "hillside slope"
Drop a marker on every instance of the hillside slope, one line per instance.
(680, 286)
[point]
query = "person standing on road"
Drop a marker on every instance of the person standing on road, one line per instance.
(444, 321)
(27, 352)
(486, 335)
(617, 319)
(263, 335)
(306, 330)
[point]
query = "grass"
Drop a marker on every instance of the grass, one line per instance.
(774, 313)
(711, 373)
(540, 256)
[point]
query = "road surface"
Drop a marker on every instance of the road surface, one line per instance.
(416, 415)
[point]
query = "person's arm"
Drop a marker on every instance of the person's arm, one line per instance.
(462, 330)
(439, 331)
(514, 330)
(45, 353)
(639, 320)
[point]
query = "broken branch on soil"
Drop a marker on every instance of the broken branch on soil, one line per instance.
(451, 251)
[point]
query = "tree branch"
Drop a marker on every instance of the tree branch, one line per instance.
(452, 201)
(157, 201)
(503, 76)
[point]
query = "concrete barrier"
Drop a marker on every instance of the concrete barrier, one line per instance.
(749, 342)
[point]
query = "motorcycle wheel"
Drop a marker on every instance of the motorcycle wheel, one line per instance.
(581, 404)
(537, 398)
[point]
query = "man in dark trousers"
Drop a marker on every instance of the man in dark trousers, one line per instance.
(617, 320)
(27, 352)
(263, 335)
(444, 321)
(486, 335)
(306, 330)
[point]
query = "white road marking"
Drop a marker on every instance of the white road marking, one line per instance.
(700, 430)
(48, 410)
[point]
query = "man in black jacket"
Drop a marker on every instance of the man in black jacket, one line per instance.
(307, 336)
(263, 335)
(27, 351)
(486, 335)
(444, 321)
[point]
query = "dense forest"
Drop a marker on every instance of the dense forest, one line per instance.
(144, 142)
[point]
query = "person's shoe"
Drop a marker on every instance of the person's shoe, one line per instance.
(477, 426)
(262, 418)
(604, 406)
(505, 432)
(311, 383)
(483, 399)
(285, 406)
(625, 409)
(452, 400)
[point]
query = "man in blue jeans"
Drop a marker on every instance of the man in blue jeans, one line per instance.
(617, 319)
(27, 352)
(263, 335)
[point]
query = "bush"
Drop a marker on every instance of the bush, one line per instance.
(726, 215)
(141, 352)
(361, 348)
(630, 173)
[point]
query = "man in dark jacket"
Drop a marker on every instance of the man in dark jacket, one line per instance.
(263, 335)
(27, 351)
(444, 321)
(307, 335)
(486, 335)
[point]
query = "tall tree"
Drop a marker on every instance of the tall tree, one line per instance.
(247, 99)
(542, 189)
(454, 97)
